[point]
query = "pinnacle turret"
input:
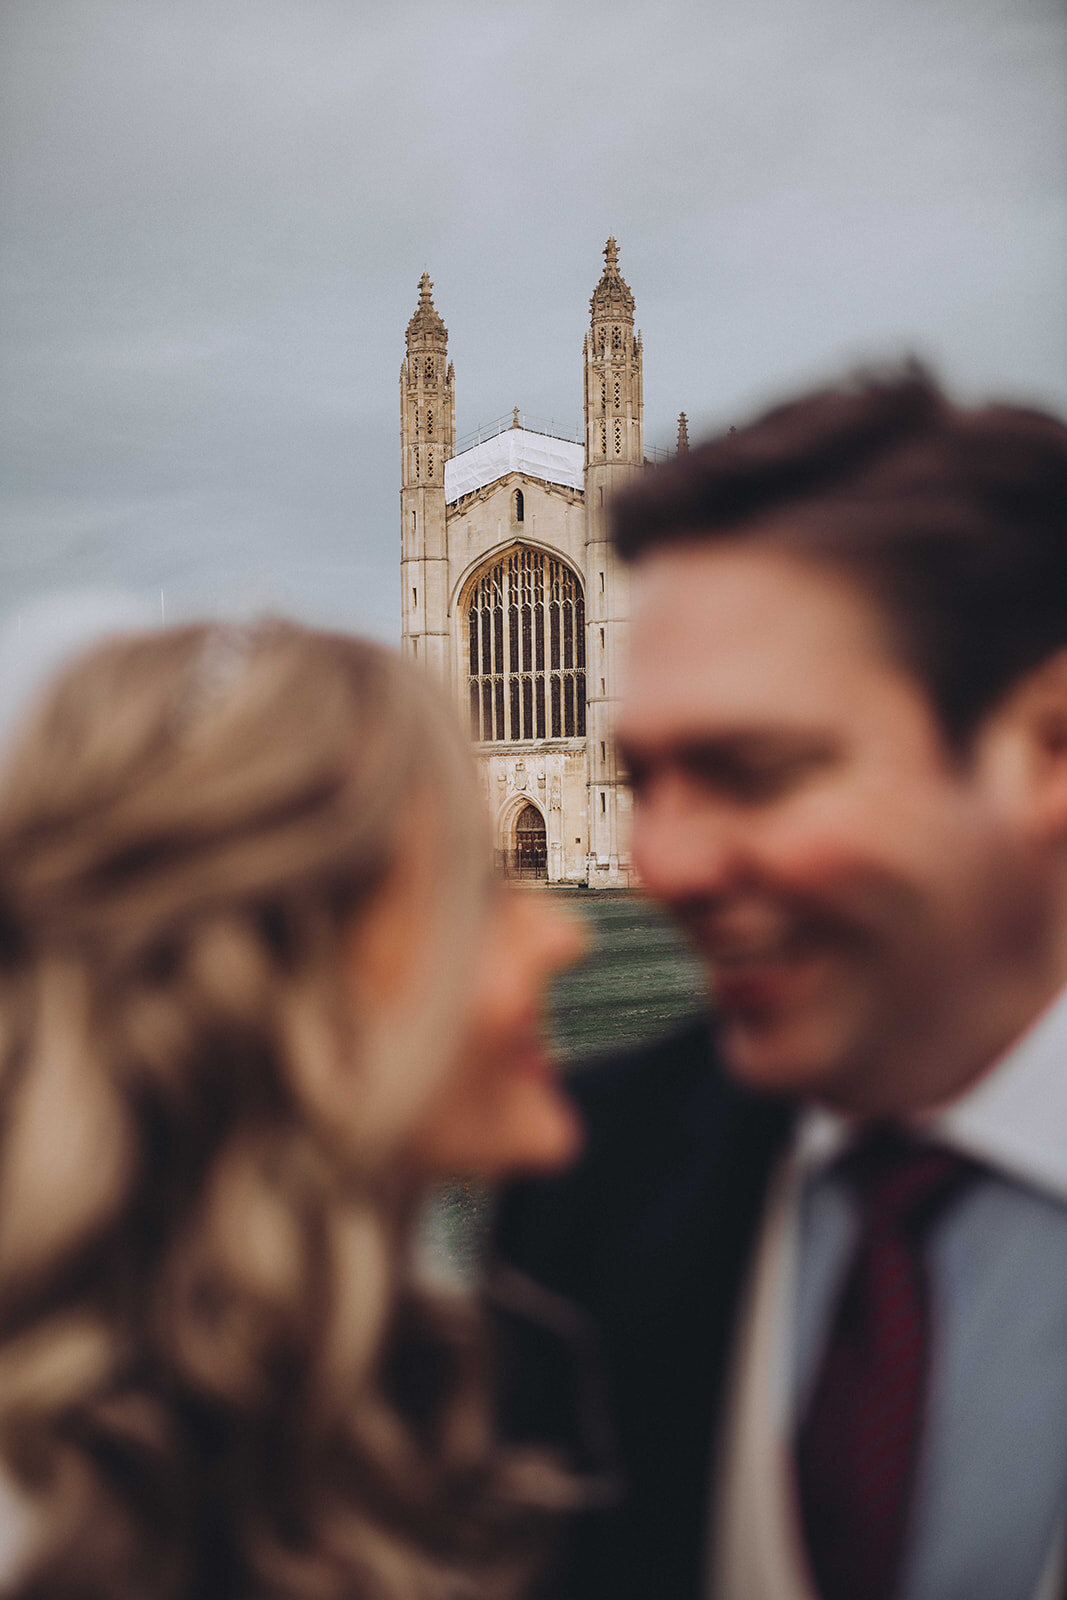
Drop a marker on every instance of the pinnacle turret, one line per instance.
(426, 318)
(683, 434)
(612, 297)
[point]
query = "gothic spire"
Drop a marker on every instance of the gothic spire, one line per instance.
(426, 318)
(683, 434)
(612, 297)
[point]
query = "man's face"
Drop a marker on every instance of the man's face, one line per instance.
(872, 912)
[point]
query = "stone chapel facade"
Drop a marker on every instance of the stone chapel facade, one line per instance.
(511, 591)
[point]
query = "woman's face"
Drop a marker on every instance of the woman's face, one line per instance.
(501, 1109)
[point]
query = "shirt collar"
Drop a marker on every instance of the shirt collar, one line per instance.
(1013, 1119)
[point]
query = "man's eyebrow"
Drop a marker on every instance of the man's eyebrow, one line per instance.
(744, 749)
(731, 751)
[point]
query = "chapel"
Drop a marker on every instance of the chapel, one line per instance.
(512, 594)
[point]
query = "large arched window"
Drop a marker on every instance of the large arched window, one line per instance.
(526, 650)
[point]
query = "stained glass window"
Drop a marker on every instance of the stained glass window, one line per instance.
(526, 650)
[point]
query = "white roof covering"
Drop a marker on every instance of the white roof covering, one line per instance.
(515, 450)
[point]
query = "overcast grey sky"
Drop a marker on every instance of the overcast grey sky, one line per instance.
(214, 214)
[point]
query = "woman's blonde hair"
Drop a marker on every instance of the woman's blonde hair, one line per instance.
(216, 1377)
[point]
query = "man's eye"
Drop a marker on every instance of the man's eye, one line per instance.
(765, 783)
(757, 782)
(743, 783)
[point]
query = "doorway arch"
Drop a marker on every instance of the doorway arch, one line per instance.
(528, 857)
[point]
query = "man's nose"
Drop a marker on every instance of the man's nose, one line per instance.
(685, 844)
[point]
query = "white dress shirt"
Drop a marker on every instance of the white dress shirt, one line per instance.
(991, 1488)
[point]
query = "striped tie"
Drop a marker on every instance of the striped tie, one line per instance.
(857, 1446)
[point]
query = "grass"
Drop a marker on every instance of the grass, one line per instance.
(638, 982)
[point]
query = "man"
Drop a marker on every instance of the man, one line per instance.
(829, 1279)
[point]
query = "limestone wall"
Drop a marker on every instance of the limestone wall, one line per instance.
(551, 776)
(485, 524)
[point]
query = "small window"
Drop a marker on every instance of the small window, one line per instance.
(414, 523)
(520, 506)
(603, 802)
(601, 638)
(414, 597)
(603, 751)
(601, 575)
(415, 647)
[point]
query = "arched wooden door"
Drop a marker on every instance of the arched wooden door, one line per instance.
(530, 856)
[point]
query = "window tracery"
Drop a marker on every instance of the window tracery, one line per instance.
(526, 650)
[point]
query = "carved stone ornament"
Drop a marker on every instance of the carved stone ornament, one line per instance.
(426, 320)
(557, 797)
(612, 297)
(519, 778)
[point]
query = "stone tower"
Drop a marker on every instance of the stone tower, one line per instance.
(614, 452)
(428, 440)
(512, 593)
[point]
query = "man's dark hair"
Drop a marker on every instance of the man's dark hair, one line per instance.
(953, 521)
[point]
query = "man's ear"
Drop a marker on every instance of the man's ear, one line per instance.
(1033, 719)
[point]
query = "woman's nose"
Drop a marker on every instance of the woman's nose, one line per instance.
(556, 936)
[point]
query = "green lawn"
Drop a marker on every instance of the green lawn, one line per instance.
(638, 982)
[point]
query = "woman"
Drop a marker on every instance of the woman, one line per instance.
(256, 991)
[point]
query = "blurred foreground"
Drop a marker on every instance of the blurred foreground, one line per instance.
(639, 981)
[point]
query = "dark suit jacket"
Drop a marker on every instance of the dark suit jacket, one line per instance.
(650, 1234)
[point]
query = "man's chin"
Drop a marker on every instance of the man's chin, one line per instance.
(778, 1057)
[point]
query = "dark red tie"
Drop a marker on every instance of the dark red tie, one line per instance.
(857, 1446)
